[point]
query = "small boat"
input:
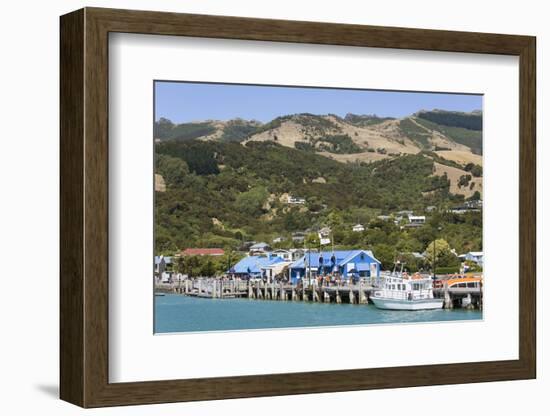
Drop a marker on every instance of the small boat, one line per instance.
(160, 294)
(406, 293)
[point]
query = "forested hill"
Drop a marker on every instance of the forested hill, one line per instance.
(219, 194)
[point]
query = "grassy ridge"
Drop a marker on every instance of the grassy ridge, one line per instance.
(416, 133)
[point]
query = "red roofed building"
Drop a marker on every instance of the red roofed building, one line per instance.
(203, 252)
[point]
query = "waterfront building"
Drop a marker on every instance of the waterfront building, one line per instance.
(163, 269)
(292, 254)
(275, 270)
(296, 253)
(162, 263)
(344, 263)
(284, 254)
(251, 266)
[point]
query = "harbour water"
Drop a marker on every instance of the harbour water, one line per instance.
(177, 313)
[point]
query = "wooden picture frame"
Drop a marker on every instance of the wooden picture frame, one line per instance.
(84, 207)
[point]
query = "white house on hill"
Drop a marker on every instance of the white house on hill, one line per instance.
(259, 248)
(417, 219)
(295, 200)
(475, 256)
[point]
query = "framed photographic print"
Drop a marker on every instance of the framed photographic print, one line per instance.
(256, 207)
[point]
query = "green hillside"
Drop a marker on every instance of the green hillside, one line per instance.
(220, 194)
(416, 133)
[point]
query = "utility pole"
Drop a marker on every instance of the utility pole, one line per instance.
(438, 229)
(434, 262)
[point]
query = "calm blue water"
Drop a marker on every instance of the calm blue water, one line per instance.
(177, 313)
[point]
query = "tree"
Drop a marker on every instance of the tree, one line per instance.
(411, 263)
(239, 236)
(353, 238)
(162, 128)
(474, 169)
(208, 269)
(192, 266)
(180, 264)
(440, 250)
(252, 201)
(476, 196)
(172, 169)
(312, 240)
(407, 243)
(334, 219)
(464, 180)
(386, 254)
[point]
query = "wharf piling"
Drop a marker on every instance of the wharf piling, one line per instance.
(343, 292)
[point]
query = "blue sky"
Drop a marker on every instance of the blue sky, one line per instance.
(183, 102)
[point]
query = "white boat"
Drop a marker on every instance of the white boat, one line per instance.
(406, 293)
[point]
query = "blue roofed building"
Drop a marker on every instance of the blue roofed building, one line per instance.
(345, 263)
(251, 266)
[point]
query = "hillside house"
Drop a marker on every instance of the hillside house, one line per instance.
(357, 228)
(417, 219)
(298, 236)
(418, 256)
(345, 263)
(397, 220)
(468, 206)
(475, 256)
(259, 248)
(295, 200)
